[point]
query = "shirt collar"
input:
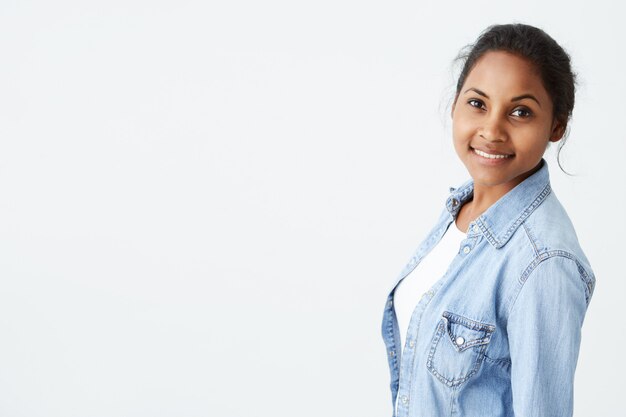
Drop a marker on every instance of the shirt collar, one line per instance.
(502, 218)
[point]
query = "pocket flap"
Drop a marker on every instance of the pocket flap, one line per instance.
(464, 333)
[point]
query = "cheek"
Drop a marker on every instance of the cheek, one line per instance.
(532, 140)
(461, 130)
(530, 147)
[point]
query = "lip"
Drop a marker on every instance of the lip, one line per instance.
(490, 162)
(492, 152)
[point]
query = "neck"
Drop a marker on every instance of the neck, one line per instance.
(484, 196)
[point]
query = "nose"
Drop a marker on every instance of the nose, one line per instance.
(493, 129)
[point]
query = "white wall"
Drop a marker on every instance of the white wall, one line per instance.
(203, 203)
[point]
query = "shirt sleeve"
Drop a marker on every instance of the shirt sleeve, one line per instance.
(544, 333)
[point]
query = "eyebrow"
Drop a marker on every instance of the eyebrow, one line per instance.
(517, 98)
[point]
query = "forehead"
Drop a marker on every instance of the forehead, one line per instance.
(505, 74)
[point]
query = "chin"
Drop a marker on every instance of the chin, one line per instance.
(490, 181)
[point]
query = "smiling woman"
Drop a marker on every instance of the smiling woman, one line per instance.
(502, 124)
(485, 319)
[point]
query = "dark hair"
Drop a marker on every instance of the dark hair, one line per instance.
(549, 58)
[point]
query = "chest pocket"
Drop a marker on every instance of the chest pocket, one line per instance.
(457, 348)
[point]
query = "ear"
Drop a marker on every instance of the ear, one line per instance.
(558, 130)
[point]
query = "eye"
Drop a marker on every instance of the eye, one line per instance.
(525, 112)
(475, 103)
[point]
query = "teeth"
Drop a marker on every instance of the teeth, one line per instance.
(487, 155)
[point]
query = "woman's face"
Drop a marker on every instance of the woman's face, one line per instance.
(503, 109)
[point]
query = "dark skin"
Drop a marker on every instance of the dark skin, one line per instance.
(470, 211)
(502, 109)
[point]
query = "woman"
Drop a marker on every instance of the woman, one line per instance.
(485, 319)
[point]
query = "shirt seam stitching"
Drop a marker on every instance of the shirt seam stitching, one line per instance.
(544, 256)
(531, 238)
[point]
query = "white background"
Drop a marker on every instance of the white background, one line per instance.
(202, 204)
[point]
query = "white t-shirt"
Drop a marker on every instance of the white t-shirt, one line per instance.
(423, 277)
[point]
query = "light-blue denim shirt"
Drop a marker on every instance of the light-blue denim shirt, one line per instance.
(499, 333)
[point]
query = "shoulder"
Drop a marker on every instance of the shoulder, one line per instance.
(557, 253)
(551, 230)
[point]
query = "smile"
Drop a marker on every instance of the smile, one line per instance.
(490, 156)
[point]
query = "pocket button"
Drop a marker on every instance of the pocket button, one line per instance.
(460, 341)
